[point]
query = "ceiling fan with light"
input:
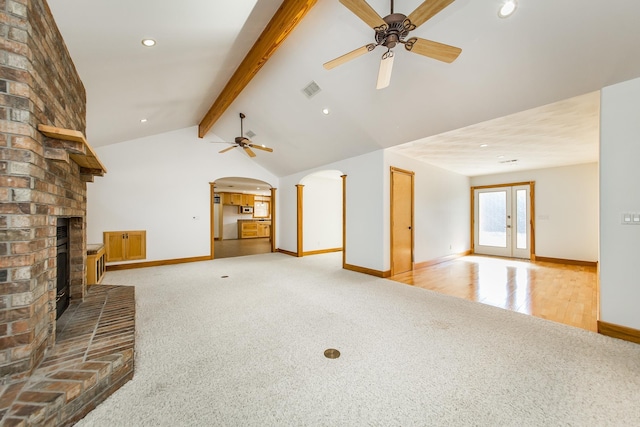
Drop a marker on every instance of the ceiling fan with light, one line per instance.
(394, 29)
(245, 143)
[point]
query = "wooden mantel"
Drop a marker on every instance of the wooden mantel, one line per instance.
(68, 144)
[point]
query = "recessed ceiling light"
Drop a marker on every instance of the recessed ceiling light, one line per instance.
(501, 157)
(143, 120)
(148, 42)
(484, 145)
(507, 9)
(325, 111)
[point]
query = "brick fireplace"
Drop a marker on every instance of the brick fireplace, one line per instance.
(54, 366)
(40, 182)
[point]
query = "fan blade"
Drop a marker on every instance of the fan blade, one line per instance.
(249, 152)
(427, 10)
(384, 73)
(261, 147)
(227, 149)
(349, 56)
(441, 52)
(365, 12)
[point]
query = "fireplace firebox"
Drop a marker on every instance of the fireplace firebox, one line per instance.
(63, 287)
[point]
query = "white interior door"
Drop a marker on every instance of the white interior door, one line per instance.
(502, 221)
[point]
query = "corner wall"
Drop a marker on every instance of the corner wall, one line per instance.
(619, 178)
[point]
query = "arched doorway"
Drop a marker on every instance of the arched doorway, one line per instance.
(321, 213)
(242, 217)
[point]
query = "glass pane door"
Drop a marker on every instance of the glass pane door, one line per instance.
(501, 221)
(492, 207)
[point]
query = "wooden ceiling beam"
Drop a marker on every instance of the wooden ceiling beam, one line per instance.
(286, 18)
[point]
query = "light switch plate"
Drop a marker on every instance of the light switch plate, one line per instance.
(630, 218)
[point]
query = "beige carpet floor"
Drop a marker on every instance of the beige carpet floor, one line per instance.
(241, 341)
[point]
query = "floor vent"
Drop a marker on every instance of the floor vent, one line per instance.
(311, 89)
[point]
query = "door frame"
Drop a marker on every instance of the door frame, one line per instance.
(272, 233)
(394, 170)
(532, 210)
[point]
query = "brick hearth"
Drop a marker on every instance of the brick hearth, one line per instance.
(93, 357)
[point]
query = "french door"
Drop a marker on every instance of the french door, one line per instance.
(502, 221)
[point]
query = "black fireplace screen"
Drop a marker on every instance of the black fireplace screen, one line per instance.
(63, 277)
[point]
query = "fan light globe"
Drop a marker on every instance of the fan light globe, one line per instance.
(507, 9)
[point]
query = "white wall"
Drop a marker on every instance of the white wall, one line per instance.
(566, 209)
(619, 178)
(322, 211)
(365, 209)
(441, 209)
(161, 184)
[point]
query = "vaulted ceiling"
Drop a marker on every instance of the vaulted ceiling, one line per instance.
(548, 51)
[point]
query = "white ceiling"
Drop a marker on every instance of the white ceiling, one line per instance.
(242, 185)
(548, 51)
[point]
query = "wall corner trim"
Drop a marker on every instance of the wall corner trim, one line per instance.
(133, 265)
(424, 264)
(369, 271)
(620, 332)
(565, 261)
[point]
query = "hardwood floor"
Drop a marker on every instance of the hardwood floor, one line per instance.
(557, 292)
(239, 247)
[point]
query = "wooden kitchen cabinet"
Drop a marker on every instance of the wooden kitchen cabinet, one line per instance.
(125, 245)
(247, 229)
(252, 229)
(232, 199)
(264, 229)
(237, 199)
(247, 200)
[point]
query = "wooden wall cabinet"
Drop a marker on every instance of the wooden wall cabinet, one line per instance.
(247, 200)
(96, 264)
(125, 245)
(237, 199)
(232, 199)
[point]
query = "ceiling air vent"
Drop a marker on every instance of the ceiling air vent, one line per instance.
(250, 134)
(311, 89)
(508, 161)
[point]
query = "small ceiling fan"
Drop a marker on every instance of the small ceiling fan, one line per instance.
(393, 29)
(245, 143)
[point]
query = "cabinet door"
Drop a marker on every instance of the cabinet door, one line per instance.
(232, 199)
(264, 230)
(136, 244)
(114, 245)
(247, 199)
